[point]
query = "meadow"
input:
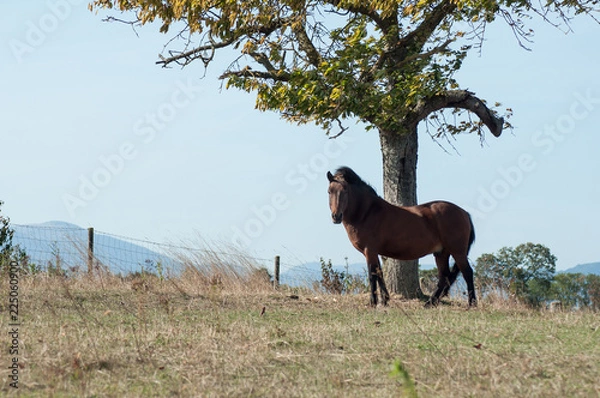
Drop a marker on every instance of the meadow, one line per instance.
(220, 335)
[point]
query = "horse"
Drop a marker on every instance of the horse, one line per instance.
(376, 227)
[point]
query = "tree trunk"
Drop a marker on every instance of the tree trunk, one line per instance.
(399, 150)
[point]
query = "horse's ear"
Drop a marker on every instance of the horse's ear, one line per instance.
(330, 177)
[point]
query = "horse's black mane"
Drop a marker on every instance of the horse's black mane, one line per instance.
(348, 175)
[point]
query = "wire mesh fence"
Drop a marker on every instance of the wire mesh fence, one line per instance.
(67, 247)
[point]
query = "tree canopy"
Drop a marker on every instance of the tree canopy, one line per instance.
(383, 62)
(526, 271)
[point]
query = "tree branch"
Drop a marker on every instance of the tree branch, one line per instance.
(461, 99)
(368, 76)
(248, 72)
(305, 43)
(416, 39)
(186, 57)
(436, 50)
(133, 24)
(384, 23)
(262, 59)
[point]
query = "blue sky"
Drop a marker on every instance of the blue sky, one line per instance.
(94, 133)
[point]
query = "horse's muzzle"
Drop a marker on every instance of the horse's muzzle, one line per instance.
(337, 218)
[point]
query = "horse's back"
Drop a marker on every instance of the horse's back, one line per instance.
(452, 222)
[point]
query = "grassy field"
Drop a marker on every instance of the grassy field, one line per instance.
(200, 336)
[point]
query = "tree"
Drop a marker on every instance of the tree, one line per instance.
(570, 290)
(6, 237)
(592, 289)
(525, 272)
(389, 64)
(8, 251)
(577, 290)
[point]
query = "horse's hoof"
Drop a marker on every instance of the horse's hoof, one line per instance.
(431, 304)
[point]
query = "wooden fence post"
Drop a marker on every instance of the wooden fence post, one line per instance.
(90, 259)
(276, 278)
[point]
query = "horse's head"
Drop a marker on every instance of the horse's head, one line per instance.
(338, 197)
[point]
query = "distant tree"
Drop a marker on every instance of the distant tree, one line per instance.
(570, 290)
(6, 236)
(577, 290)
(592, 288)
(526, 272)
(8, 251)
(389, 64)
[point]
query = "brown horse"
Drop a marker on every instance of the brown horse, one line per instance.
(376, 227)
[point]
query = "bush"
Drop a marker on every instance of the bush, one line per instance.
(8, 251)
(339, 282)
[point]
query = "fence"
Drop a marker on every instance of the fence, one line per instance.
(75, 249)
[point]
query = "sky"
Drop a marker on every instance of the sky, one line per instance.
(95, 134)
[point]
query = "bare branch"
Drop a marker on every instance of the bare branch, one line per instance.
(518, 28)
(460, 99)
(342, 130)
(133, 24)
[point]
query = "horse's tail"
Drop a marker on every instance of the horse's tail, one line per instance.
(472, 235)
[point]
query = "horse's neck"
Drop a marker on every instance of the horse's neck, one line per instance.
(360, 205)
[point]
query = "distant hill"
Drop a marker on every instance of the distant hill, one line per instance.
(49, 241)
(589, 268)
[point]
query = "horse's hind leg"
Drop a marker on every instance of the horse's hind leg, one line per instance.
(451, 279)
(465, 268)
(443, 266)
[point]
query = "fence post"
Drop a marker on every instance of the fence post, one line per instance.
(276, 280)
(90, 259)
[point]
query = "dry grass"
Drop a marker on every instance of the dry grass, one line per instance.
(233, 335)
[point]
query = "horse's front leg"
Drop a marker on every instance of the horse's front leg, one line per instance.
(373, 284)
(375, 277)
(385, 296)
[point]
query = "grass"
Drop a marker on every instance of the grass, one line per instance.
(197, 335)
